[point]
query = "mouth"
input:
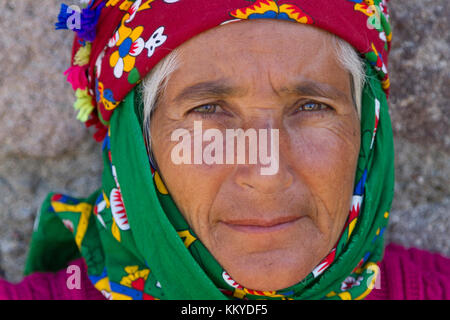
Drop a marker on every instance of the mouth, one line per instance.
(260, 225)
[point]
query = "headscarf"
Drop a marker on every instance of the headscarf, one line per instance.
(132, 236)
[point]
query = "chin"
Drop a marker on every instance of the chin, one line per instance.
(272, 265)
(269, 259)
(270, 271)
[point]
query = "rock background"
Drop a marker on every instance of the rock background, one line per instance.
(44, 148)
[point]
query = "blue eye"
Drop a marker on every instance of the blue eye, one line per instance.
(207, 108)
(312, 106)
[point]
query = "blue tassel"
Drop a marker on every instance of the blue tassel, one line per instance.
(62, 17)
(89, 20)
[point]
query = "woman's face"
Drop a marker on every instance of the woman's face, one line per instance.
(267, 231)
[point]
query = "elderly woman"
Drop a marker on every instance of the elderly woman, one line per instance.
(178, 91)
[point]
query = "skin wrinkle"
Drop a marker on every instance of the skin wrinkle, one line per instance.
(318, 149)
(158, 82)
(327, 210)
(347, 139)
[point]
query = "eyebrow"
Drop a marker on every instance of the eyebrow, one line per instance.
(208, 89)
(218, 89)
(317, 89)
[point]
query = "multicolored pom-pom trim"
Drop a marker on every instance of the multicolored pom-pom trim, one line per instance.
(84, 23)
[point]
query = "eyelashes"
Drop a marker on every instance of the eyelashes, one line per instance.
(206, 108)
(312, 106)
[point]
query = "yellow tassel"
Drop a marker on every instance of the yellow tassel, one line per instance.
(83, 54)
(83, 104)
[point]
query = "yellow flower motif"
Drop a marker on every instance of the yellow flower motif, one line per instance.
(129, 46)
(271, 9)
(134, 277)
(112, 3)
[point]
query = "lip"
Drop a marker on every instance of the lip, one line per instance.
(261, 226)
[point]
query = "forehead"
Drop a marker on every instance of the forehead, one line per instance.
(247, 51)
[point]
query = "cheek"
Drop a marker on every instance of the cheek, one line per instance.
(326, 160)
(325, 151)
(324, 155)
(193, 187)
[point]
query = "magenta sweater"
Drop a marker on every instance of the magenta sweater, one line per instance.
(405, 274)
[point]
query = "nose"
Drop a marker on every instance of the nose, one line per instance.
(250, 177)
(271, 173)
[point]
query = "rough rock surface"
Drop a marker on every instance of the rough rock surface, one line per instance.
(419, 104)
(43, 148)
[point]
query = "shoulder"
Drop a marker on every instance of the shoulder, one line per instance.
(413, 274)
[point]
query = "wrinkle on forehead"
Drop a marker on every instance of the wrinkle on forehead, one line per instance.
(251, 55)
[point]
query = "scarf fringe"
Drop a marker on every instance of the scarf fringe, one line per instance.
(84, 104)
(76, 76)
(101, 129)
(63, 17)
(84, 25)
(87, 20)
(83, 54)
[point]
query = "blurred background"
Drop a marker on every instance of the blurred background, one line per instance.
(43, 148)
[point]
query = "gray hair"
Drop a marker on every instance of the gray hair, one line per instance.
(154, 84)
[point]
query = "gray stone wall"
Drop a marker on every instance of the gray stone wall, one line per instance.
(44, 148)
